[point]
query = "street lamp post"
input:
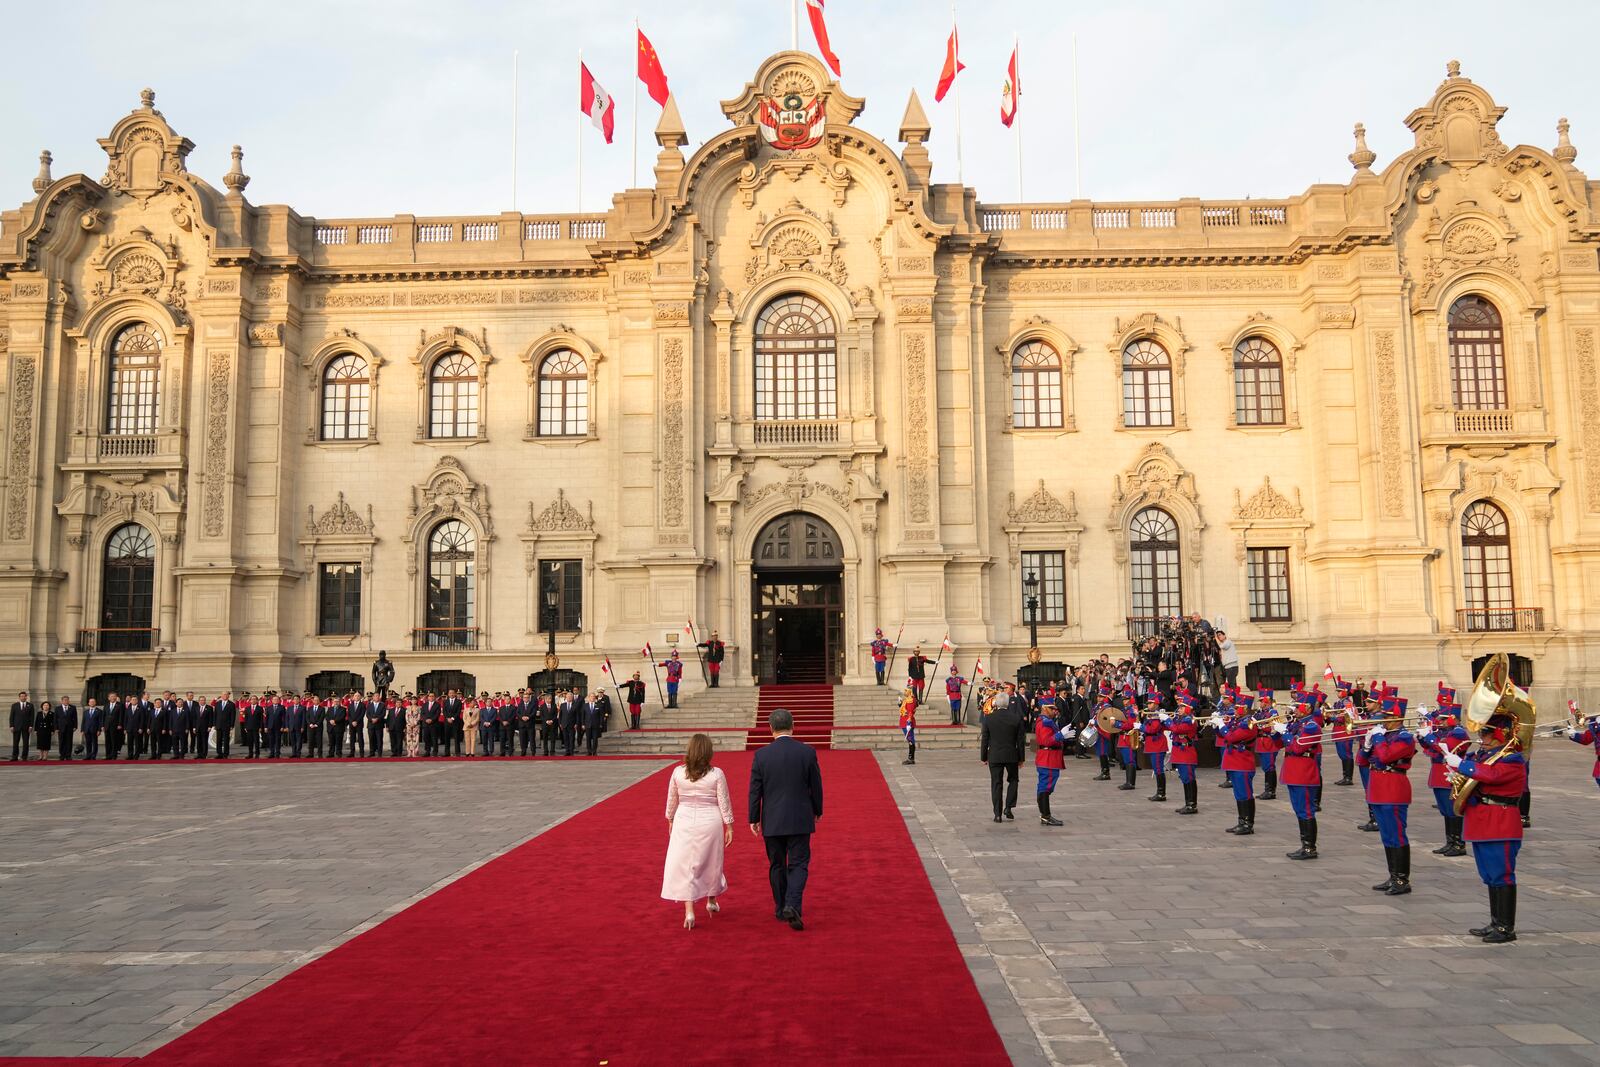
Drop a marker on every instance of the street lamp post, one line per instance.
(1031, 584)
(550, 660)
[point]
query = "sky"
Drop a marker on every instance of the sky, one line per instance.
(380, 107)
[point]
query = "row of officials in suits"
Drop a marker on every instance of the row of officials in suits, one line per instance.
(301, 725)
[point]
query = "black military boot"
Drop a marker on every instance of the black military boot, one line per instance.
(1128, 775)
(1161, 788)
(1455, 846)
(1191, 798)
(1308, 841)
(1270, 789)
(1045, 818)
(1504, 924)
(1250, 816)
(1105, 770)
(911, 755)
(1387, 884)
(1371, 825)
(1402, 872)
(1525, 806)
(1494, 914)
(1316, 798)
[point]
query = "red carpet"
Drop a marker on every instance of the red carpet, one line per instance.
(562, 952)
(811, 705)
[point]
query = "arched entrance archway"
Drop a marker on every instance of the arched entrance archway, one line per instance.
(798, 601)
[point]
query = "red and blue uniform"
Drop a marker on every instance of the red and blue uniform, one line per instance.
(1238, 737)
(1302, 773)
(1047, 756)
(880, 654)
(1494, 829)
(1387, 758)
(1182, 732)
(1590, 735)
(674, 667)
(1155, 744)
(952, 690)
(1127, 730)
(908, 719)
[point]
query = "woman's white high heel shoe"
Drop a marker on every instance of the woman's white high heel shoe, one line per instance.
(688, 923)
(712, 907)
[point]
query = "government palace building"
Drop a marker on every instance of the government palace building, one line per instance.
(795, 391)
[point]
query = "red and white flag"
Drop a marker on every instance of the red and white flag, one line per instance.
(645, 651)
(650, 72)
(606, 667)
(1327, 672)
(952, 66)
(595, 102)
(977, 668)
(820, 28)
(1010, 91)
(946, 645)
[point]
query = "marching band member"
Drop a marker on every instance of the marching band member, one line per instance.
(1050, 740)
(1492, 823)
(1182, 732)
(1267, 746)
(1238, 736)
(1104, 744)
(1445, 734)
(1302, 745)
(908, 724)
(1589, 735)
(1360, 728)
(1388, 757)
(1155, 746)
(1343, 746)
(1315, 700)
(1127, 735)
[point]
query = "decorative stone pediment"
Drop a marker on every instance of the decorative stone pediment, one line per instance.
(1042, 507)
(1471, 239)
(1458, 124)
(140, 264)
(447, 491)
(560, 517)
(1156, 477)
(341, 518)
(1267, 503)
(146, 154)
(793, 74)
(796, 487)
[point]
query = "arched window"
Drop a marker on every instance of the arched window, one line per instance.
(346, 399)
(127, 590)
(1257, 383)
(1035, 386)
(132, 394)
(563, 394)
(796, 360)
(1477, 356)
(1486, 568)
(452, 585)
(1153, 554)
(1146, 384)
(453, 396)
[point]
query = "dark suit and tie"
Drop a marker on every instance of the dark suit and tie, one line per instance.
(21, 727)
(94, 720)
(225, 716)
(66, 726)
(1002, 745)
(569, 726)
(594, 723)
(785, 804)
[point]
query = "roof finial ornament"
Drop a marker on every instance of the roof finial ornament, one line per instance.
(1453, 68)
(1362, 158)
(42, 182)
(147, 99)
(236, 179)
(1564, 150)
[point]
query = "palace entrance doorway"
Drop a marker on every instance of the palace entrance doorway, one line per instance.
(798, 602)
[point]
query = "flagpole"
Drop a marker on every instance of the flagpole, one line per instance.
(1016, 110)
(1077, 138)
(514, 54)
(634, 182)
(957, 78)
(794, 25)
(580, 154)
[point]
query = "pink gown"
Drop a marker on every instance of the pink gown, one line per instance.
(698, 811)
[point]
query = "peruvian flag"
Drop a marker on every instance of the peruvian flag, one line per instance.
(645, 651)
(595, 102)
(1010, 91)
(1327, 672)
(820, 28)
(689, 629)
(946, 645)
(606, 667)
(650, 72)
(952, 66)
(977, 668)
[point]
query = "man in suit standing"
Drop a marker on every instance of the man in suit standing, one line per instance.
(277, 721)
(569, 723)
(93, 722)
(21, 725)
(394, 714)
(594, 724)
(317, 712)
(225, 717)
(375, 717)
(358, 723)
(116, 724)
(254, 719)
(549, 723)
(454, 727)
(1002, 745)
(194, 716)
(66, 726)
(295, 715)
(162, 712)
(785, 804)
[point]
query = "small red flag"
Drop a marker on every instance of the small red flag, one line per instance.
(595, 102)
(952, 66)
(1010, 92)
(820, 28)
(650, 72)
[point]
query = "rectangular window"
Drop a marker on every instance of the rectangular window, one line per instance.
(567, 575)
(1269, 585)
(339, 599)
(1050, 568)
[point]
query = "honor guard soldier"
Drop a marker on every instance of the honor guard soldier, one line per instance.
(716, 651)
(1302, 743)
(880, 654)
(1154, 728)
(1049, 757)
(1127, 740)
(1267, 745)
(633, 690)
(1343, 743)
(917, 671)
(1492, 822)
(1445, 734)
(1237, 735)
(1588, 735)
(1388, 757)
(674, 666)
(952, 691)
(1370, 713)
(1104, 744)
(908, 724)
(1182, 734)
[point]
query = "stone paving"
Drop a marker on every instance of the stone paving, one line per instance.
(140, 901)
(1133, 936)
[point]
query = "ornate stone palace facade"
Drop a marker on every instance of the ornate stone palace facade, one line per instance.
(795, 391)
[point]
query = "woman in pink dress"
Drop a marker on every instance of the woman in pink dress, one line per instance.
(701, 817)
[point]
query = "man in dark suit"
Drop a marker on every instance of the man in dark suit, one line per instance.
(225, 717)
(21, 725)
(194, 720)
(94, 720)
(162, 714)
(549, 724)
(295, 716)
(142, 724)
(1002, 745)
(317, 712)
(525, 714)
(254, 720)
(66, 726)
(375, 716)
(594, 724)
(277, 723)
(357, 733)
(568, 719)
(116, 724)
(785, 804)
(394, 714)
(454, 725)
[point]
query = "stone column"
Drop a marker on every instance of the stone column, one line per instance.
(167, 575)
(725, 578)
(72, 618)
(1544, 567)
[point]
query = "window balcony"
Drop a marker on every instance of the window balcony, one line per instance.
(1500, 620)
(1143, 626)
(798, 432)
(444, 637)
(117, 639)
(1484, 423)
(127, 446)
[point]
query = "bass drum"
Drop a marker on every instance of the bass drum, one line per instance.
(1089, 735)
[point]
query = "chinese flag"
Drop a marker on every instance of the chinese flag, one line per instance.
(1008, 95)
(595, 102)
(952, 67)
(820, 28)
(650, 72)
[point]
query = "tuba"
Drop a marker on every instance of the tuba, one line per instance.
(1494, 693)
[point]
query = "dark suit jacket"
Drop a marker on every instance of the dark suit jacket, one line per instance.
(785, 788)
(21, 715)
(66, 717)
(1004, 738)
(94, 719)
